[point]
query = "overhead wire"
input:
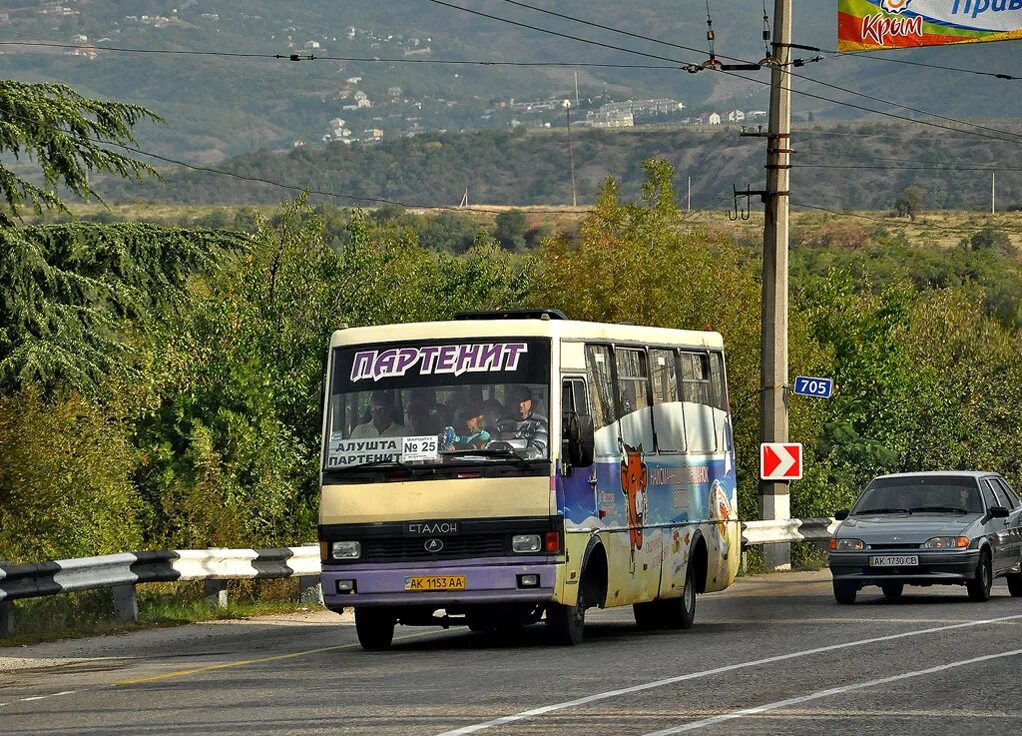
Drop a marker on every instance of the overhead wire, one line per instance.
(713, 64)
(290, 187)
(1013, 139)
(680, 64)
(350, 59)
(894, 60)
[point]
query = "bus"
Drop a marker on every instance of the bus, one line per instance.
(506, 468)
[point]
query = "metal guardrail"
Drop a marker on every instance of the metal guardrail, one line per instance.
(787, 530)
(122, 572)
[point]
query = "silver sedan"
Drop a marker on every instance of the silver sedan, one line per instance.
(955, 528)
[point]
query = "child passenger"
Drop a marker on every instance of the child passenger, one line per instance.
(471, 435)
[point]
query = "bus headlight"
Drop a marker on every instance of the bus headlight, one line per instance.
(525, 543)
(346, 550)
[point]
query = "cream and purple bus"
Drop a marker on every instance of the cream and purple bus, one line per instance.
(505, 468)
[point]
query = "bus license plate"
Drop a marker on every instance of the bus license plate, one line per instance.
(894, 561)
(435, 582)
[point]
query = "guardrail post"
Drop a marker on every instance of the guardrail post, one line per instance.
(310, 590)
(216, 592)
(126, 602)
(6, 618)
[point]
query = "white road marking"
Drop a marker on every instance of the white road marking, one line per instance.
(827, 693)
(542, 710)
(40, 697)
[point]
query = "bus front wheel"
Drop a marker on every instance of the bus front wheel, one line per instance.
(567, 623)
(375, 629)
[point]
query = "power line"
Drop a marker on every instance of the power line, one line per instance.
(949, 169)
(270, 182)
(709, 36)
(679, 64)
(893, 60)
(352, 59)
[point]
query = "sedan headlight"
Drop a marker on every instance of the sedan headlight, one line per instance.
(525, 543)
(946, 543)
(346, 550)
(847, 544)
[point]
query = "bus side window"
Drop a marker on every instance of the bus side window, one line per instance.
(668, 418)
(695, 382)
(718, 399)
(633, 391)
(601, 397)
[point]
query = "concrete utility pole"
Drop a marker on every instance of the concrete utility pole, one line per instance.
(774, 501)
(571, 153)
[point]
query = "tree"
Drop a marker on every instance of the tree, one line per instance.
(68, 291)
(510, 230)
(910, 203)
(67, 135)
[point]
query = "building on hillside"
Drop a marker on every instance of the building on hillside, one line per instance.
(312, 44)
(89, 52)
(614, 118)
(709, 118)
(393, 92)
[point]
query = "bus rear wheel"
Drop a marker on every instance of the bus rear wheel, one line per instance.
(680, 613)
(375, 629)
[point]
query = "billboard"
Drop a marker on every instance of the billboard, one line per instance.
(864, 25)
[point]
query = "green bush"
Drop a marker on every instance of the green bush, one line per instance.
(64, 480)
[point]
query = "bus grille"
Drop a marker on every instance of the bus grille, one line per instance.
(400, 549)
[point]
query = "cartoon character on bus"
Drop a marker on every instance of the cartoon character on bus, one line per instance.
(633, 484)
(721, 514)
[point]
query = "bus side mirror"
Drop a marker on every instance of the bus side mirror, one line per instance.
(579, 439)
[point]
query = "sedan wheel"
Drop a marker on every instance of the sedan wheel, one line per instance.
(893, 591)
(1014, 584)
(979, 587)
(844, 593)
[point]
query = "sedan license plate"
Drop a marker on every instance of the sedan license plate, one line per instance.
(435, 582)
(894, 561)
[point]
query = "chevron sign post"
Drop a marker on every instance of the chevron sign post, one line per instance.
(780, 461)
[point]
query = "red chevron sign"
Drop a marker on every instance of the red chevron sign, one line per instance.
(780, 461)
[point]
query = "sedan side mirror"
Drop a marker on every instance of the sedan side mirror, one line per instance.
(841, 514)
(998, 512)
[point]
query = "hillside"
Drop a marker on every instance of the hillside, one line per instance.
(532, 168)
(219, 106)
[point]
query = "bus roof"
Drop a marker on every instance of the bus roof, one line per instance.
(554, 328)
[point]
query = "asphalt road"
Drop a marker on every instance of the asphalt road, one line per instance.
(774, 654)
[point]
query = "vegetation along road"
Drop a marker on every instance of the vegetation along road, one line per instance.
(773, 654)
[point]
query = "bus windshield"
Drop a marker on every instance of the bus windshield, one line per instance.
(465, 401)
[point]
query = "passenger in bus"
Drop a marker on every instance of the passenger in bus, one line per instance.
(524, 422)
(493, 411)
(381, 422)
(471, 434)
(418, 420)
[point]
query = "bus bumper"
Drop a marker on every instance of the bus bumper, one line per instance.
(383, 584)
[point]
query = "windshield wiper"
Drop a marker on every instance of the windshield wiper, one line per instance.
(943, 509)
(383, 464)
(866, 512)
(507, 452)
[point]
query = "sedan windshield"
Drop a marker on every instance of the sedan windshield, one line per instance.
(471, 401)
(924, 494)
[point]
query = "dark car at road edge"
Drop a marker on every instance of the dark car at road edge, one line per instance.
(934, 528)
